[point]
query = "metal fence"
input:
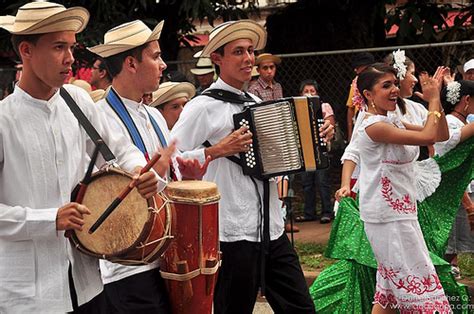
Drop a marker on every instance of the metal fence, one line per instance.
(332, 69)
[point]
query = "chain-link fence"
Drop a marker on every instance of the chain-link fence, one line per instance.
(332, 69)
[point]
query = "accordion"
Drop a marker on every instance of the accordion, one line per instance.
(285, 137)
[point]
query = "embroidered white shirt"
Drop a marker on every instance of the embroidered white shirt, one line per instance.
(205, 118)
(386, 183)
(139, 113)
(42, 158)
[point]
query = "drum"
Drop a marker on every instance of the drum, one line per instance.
(138, 230)
(190, 264)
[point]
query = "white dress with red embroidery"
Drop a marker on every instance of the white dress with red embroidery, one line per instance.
(406, 277)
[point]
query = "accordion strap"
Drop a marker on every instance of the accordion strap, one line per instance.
(227, 96)
(265, 236)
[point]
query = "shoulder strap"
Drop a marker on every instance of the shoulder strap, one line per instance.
(117, 105)
(227, 96)
(158, 131)
(88, 127)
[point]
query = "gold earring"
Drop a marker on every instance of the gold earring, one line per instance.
(373, 105)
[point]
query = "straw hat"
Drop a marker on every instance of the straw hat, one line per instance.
(254, 71)
(97, 94)
(82, 84)
(45, 17)
(469, 65)
(233, 30)
(125, 37)
(203, 66)
(267, 57)
(172, 90)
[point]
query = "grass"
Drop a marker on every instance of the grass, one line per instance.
(466, 265)
(311, 256)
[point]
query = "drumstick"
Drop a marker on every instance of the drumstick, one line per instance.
(116, 202)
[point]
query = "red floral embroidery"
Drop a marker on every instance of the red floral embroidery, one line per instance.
(404, 206)
(411, 283)
(427, 307)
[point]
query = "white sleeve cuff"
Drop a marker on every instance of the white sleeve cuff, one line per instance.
(41, 222)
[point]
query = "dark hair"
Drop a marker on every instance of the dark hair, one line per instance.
(362, 58)
(466, 88)
(103, 67)
(220, 51)
(370, 76)
(390, 61)
(308, 82)
(114, 63)
(16, 40)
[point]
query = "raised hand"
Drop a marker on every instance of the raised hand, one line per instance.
(192, 168)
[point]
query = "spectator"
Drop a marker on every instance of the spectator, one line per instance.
(468, 70)
(318, 178)
(265, 86)
(100, 76)
(204, 72)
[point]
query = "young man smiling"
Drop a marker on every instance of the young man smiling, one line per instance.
(209, 119)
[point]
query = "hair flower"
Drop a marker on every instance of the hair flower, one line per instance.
(453, 93)
(358, 100)
(399, 60)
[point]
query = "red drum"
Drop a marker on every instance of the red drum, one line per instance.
(190, 264)
(138, 230)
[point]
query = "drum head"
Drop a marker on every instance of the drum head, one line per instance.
(192, 191)
(122, 229)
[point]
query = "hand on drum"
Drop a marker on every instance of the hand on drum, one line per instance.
(147, 183)
(191, 169)
(344, 191)
(70, 217)
(327, 131)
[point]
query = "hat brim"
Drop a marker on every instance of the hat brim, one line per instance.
(183, 89)
(243, 29)
(201, 71)
(272, 58)
(72, 19)
(107, 50)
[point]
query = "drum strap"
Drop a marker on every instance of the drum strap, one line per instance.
(88, 127)
(118, 106)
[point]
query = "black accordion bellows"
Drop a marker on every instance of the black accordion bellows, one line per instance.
(285, 137)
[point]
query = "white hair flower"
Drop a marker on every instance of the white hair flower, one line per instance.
(453, 94)
(399, 60)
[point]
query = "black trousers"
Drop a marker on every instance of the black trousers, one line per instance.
(95, 306)
(239, 279)
(141, 293)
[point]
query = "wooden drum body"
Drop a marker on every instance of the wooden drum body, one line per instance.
(190, 264)
(138, 230)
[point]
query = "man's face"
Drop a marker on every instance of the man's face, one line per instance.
(150, 69)
(236, 63)
(469, 75)
(172, 110)
(51, 58)
(96, 73)
(267, 70)
(205, 80)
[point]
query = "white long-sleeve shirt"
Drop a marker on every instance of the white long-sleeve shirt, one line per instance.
(42, 158)
(205, 118)
(139, 113)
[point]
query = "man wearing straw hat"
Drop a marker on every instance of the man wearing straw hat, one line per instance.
(133, 57)
(170, 99)
(204, 72)
(43, 155)
(206, 119)
(265, 86)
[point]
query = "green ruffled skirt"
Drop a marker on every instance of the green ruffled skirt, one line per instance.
(348, 286)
